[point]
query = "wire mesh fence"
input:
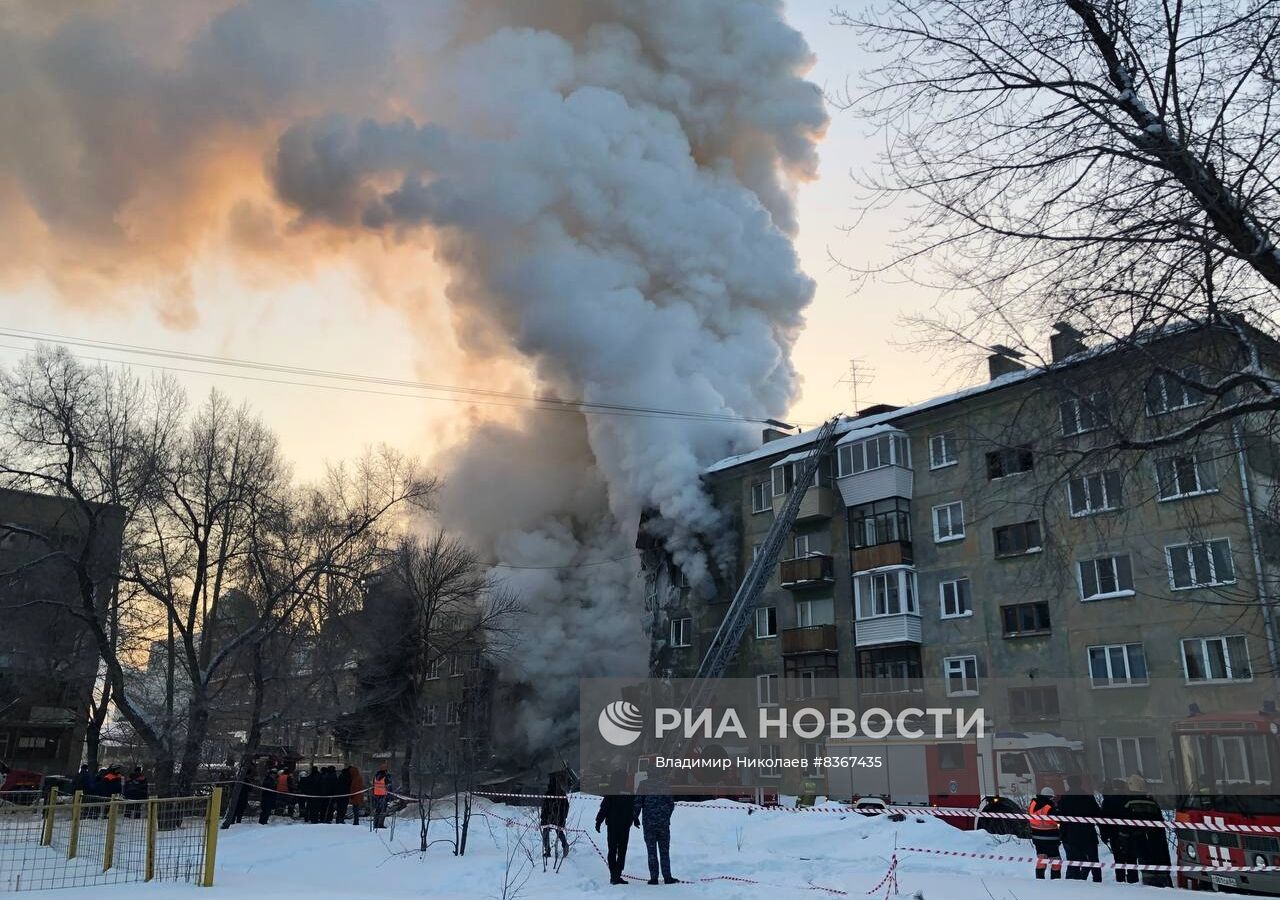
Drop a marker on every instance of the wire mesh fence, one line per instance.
(76, 841)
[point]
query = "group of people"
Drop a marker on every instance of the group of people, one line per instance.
(1130, 844)
(621, 812)
(110, 782)
(320, 796)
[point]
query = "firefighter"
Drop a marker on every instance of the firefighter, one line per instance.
(135, 789)
(1151, 844)
(1123, 840)
(554, 815)
(382, 787)
(617, 810)
(1044, 833)
(1079, 839)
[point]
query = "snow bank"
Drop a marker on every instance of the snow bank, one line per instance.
(788, 854)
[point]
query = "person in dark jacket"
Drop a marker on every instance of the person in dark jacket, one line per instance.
(135, 788)
(307, 790)
(554, 815)
(1079, 839)
(344, 789)
(267, 797)
(328, 794)
(1151, 844)
(618, 811)
(83, 780)
(1122, 839)
(1044, 833)
(654, 809)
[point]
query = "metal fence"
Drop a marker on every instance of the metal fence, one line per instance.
(58, 841)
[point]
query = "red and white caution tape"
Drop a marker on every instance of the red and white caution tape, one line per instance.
(1087, 864)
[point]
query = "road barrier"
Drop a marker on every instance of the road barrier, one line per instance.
(53, 840)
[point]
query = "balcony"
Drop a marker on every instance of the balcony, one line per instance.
(818, 503)
(896, 553)
(813, 570)
(903, 628)
(809, 639)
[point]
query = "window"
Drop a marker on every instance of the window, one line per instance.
(889, 670)
(806, 684)
(767, 690)
(1025, 618)
(1216, 659)
(1016, 539)
(804, 614)
(1117, 665)
(943, 450)
(477, 659)
(801, 546)
(955, 598)
(761, 501)
(873, 453)
(812, 753)
(885, 593)
(1185, 475)
(785, 475)
(951, 757)
(456, 664)
(1167, 392)
(1125, 756)
(431, 714)
(961, 673)
(681, 632)
(435, 667)
(883, 522)
(1010, 461)
(1106, 576)
(454, 713)
(1081, 414)
(1200, 565)
(770, 751)
(767, 622)
(948, 522)
(1033, 704)
(1097, 492)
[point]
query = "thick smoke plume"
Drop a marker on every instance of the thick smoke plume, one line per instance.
(608, 185)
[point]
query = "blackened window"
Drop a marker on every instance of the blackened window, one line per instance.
(1021, 537)
(1010, 461)
(1026, 618)
(1033, 704)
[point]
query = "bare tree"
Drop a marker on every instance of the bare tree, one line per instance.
(1109, 164)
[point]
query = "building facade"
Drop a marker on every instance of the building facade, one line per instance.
(1038, 545)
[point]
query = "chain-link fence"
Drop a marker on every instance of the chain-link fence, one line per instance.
(59, 841)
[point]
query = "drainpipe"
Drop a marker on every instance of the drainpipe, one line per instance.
(1264, 600)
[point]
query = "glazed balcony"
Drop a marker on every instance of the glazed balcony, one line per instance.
(814, 570)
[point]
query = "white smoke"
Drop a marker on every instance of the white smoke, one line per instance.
(609, 183)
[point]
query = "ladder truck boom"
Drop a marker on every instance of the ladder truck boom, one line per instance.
(729, 635)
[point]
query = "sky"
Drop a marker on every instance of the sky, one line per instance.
(324, 315)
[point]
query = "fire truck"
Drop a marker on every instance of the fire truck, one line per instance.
(1227, 768)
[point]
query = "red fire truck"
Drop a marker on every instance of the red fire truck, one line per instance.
(1228, 769)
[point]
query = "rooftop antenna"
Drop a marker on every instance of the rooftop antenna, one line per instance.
(858, 375)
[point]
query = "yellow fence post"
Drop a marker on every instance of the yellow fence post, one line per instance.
(73, 841)
(46, 839)
(109, 844)
(211, 818)
(151, 840)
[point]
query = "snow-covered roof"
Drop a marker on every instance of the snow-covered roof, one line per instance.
(865, 426)
(861, 434)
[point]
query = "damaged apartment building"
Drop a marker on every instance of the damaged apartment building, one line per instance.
(995, 546)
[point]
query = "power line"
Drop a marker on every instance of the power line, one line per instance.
(585, 565)
(480, 396)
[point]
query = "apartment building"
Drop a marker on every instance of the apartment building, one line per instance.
(1006, 546)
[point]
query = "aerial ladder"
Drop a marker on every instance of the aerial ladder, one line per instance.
(729, 636)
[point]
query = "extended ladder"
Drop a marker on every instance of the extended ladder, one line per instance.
(727, 638)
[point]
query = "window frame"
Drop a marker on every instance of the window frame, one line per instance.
(1189, 548)
(896, 444)
(1191, 372)
(1199, 467)
(771, 681)
(905, 593)
(942, 598)
(1028, 550)
(1107, 481)
(807, 606)
(1035, 632)
(771, 612)
(938, 538)
(1130, 680)
(766, 495)
(797, 541)
(1094, 403)
(1148, 777)
(998, 462)
(950, 452)
(1224, 640)
(1035, 690)
(964, 675)
(684, 625)
(1114, 559)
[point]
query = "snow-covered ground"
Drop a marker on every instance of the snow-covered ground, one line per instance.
(786, 854)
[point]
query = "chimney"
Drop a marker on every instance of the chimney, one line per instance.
(1003, 360)
(1065, 341)
(772, 434)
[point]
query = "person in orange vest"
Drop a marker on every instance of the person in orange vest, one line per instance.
(381, 790)
(284, 799)
(1044, 833)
